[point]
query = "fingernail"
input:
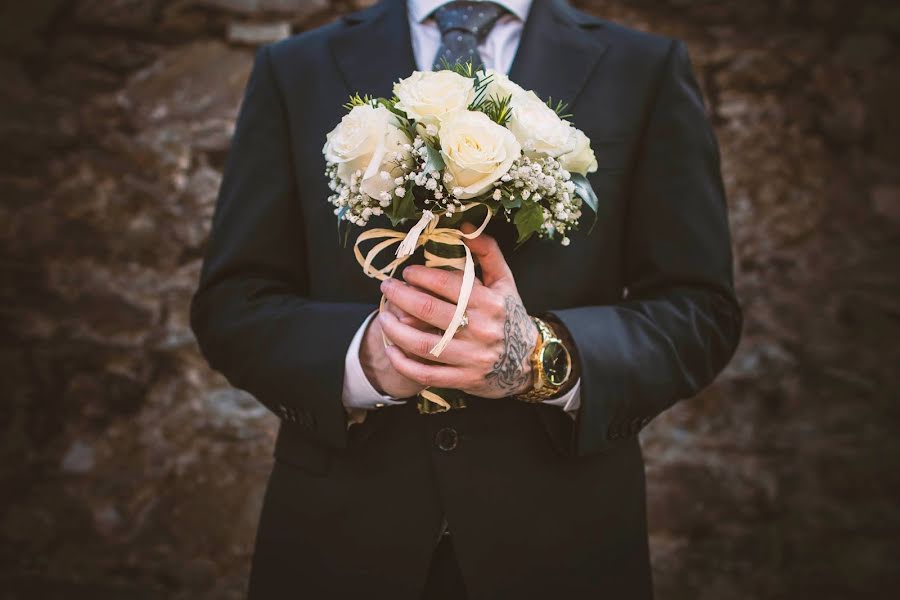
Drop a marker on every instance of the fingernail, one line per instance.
(385, 284)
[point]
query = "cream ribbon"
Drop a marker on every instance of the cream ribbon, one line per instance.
(425, 230)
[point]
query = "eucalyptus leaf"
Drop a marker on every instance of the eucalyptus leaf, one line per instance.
(434, 161)
(346, 235)
(528, 220)
(340, 221)
(584, 191)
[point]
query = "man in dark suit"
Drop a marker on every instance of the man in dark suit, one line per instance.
(541, 503)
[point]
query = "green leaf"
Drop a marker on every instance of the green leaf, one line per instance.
(584, 191)
(528, 220)
(474, 216)
(401, 208)
(452, 220)
(494, 205)
(510, 202)
(434, 161)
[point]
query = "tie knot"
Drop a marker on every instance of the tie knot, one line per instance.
(472, 17)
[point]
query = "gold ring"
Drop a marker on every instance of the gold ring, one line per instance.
(464, 320)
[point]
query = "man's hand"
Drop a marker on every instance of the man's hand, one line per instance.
(375, 363)
(490, 357)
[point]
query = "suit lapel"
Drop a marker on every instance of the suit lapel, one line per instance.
(376, 50)
(555, 57)
(556, 53)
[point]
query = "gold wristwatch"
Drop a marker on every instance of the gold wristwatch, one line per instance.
(551, 363)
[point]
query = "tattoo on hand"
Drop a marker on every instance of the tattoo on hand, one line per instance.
(510, 373)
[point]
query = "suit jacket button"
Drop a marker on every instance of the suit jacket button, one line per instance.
(446, 439)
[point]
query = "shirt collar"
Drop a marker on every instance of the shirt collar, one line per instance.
(420, 9)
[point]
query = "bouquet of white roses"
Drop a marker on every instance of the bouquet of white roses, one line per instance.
(447, 142)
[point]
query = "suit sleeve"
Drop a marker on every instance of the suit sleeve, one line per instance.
(680, 321)
(251, 313)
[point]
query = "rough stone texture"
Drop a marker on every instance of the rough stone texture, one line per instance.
(257, 33)
(130, 470)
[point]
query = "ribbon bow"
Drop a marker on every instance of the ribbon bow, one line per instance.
(425, 230)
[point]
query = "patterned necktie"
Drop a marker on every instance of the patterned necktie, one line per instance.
(464, 25)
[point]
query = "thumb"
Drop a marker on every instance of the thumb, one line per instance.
(487, 253)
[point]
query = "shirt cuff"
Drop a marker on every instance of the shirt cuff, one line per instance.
(570, 401)
(358, 392)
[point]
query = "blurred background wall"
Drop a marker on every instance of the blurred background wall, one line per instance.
(129, 470)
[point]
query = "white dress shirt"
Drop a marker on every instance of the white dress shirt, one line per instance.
(497, 52)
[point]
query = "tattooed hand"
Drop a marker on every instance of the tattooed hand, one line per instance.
(490, 357)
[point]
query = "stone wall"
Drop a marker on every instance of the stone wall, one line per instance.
(131, 470)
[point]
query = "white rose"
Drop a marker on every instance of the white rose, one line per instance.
(581, 158)
(476, 150)
(501, 86)
(427, 96)
(538, 128)
(367, 140)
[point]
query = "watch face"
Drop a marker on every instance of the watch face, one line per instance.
(556, 362)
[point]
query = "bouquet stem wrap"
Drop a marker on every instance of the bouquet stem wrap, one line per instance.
(427, 231)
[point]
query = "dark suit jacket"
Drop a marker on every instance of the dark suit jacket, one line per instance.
(540, 505)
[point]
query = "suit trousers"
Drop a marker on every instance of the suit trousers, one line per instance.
(444, 580)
